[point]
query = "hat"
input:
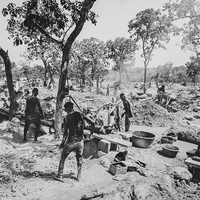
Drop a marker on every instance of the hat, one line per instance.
(68, 105)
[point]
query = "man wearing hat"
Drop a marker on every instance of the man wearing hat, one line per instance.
(72, 138)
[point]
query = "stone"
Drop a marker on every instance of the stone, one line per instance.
(15, 120)
(190, 118)
(105, 162)
(181, 173)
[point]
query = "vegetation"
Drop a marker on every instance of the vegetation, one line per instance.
(121, 51)
(152, 29)
(89, 59)
(50, 28)
(59, 23)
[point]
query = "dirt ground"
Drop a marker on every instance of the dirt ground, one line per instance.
(27, 169)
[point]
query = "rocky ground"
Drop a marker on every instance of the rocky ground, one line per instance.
(27, 169)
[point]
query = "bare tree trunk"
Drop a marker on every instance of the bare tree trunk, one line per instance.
(145, 78)
(97, 83)
(59, 100)
(120, 72)
(87, 5)
(45, 71)
(10, 85)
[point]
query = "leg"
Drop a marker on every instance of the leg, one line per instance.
(127, 123)
(26, 126)
(37, 129)
(79, 153)
(66, 151)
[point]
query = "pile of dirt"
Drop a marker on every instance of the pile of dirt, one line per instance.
(27, 170)
(186, 133)
(148, 113)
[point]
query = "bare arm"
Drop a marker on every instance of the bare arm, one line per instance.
(40, 108)
(65, 134)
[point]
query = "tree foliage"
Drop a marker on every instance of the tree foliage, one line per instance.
(121, 50)
(169, 74)
(188, 12)
(193, 69)
(59, 22)
(89, 60)
(151, 28)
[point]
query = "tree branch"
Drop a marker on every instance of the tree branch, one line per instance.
(87, 5)
(47, 35)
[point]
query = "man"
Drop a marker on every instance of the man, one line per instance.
(127, 111)
(161, 92)
(33, 112)
(72, 138)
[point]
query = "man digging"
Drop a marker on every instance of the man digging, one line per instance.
(72, 138)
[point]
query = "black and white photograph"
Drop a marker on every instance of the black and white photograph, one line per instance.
(100, 100)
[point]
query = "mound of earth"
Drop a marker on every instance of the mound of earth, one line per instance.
(148, 113)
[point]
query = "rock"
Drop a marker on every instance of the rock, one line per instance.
(143, 191)
(196, 109)
(182, 156)
(190, 118)
(197, 116)
(15, 120)
(167, 184)
(181, 173)
(101, 153)
(105, 162)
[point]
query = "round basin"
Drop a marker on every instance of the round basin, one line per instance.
(167, 139)
(142, 139)
(173, 135)
(170, 150)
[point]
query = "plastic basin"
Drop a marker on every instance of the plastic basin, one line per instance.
(170, 150)
(173, 135)
(142, 139)
(167, 139)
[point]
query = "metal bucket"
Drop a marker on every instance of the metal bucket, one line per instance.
(142, 139)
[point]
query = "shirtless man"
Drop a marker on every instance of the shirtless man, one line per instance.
(72, 138)
(33, 112)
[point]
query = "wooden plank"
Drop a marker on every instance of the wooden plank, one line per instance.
(126, 135)
(120, 142)
(192, 163)
(114, 141)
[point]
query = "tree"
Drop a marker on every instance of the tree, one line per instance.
(93, 51)
(121, 50)
(89, 61)
(79, 65)
(187, 12)
(193, 69)
(59, 23)
(40, 49)
(10, 85)
(152, 29)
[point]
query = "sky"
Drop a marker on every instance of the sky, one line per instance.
(112, 22)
